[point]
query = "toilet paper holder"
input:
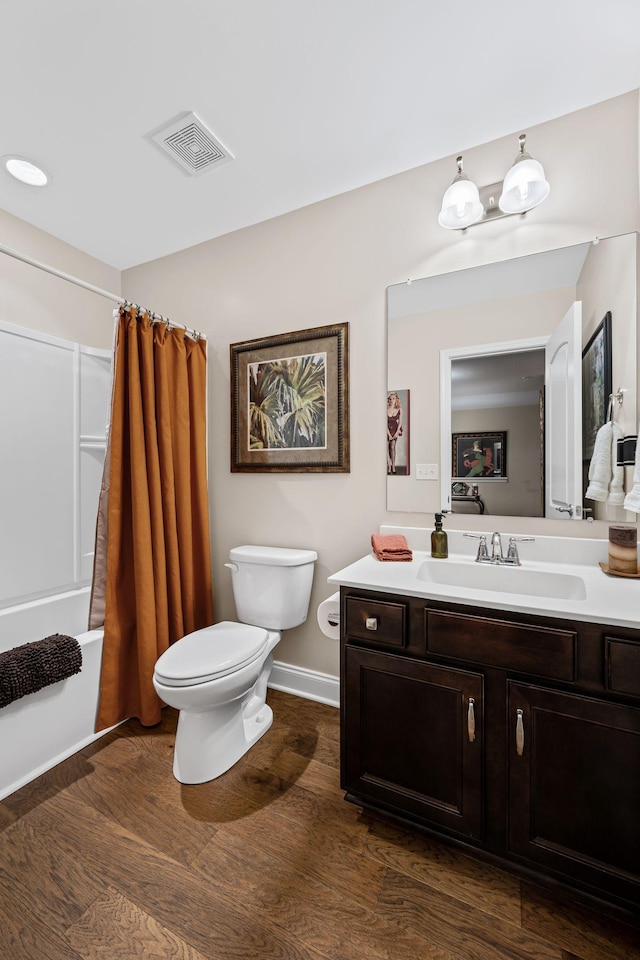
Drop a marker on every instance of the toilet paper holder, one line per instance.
(329, 616)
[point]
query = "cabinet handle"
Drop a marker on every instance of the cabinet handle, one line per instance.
(520, 732)
(471, 720)
(371, 623)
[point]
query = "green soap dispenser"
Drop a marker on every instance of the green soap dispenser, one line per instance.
(439, 544)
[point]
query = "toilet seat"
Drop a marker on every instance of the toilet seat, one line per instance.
(210, 653)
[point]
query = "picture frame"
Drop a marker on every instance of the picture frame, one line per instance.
(597, 383)
(398, 433)
(290, 402)
(479, 456)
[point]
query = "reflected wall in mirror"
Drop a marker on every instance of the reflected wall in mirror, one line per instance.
(502, 392)
(491, 323)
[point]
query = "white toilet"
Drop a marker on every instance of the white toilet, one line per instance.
(217, 677)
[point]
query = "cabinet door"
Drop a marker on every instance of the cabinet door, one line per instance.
(412, 738)
(574, 787)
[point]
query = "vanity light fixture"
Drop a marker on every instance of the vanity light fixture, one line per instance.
(461, 203)
(523, 188)
(25, 171)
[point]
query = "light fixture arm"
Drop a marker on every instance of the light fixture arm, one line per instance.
(460, 175)
(522, 153)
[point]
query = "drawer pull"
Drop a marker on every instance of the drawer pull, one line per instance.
(520, 732)
(371, 623)
(471, 720)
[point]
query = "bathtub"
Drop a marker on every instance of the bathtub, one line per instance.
(43, 728)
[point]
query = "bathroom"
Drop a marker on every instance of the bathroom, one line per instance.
(298, 270)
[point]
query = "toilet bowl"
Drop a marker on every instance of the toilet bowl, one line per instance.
(217, 677)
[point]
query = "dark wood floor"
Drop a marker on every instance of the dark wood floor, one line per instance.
(107, 857)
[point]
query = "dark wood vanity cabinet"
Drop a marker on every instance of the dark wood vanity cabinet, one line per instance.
(518, 735)
(574, 786)
(414, 738)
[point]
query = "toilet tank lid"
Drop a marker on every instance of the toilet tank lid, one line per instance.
(274, 556)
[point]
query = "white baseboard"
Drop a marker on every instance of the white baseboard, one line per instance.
(305, 683)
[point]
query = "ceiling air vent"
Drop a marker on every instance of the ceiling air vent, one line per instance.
(191, 144)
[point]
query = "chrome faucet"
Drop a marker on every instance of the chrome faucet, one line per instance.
(497, 556)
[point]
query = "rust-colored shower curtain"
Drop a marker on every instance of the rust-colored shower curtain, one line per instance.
(152, 573)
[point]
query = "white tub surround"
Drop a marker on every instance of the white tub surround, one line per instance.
(558, 576)
(43, 728)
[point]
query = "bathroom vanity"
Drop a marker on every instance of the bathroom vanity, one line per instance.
(499, 715)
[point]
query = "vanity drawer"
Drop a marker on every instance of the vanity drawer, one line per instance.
(376, 621)
(541, 651)
(622, 666)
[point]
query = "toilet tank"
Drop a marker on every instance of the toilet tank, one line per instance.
(272, 585)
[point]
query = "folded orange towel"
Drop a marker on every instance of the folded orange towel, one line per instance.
(391, 546)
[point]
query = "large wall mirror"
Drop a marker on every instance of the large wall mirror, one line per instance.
(473, 390)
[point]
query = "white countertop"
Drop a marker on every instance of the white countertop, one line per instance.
(602, 599)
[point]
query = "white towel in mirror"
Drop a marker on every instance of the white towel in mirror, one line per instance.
(632, 499)
(605, 477)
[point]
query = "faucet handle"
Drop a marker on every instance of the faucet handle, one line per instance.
(512, 552)
(483, 553)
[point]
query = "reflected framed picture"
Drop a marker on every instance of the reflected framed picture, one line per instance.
(398, 433)
(596, 383)
(290, 402)
(479, 456)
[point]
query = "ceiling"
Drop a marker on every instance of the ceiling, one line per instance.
(499, 380)
(312, 98)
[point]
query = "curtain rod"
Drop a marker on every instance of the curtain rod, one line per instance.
(10, 252)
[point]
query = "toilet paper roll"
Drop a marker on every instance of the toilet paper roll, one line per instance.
(329, 616)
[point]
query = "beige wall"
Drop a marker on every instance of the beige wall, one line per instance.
(32, 298)
(332, 262)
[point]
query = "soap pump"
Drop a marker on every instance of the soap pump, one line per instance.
(439, 544)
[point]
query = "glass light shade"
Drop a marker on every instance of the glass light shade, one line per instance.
(460, 205)
(25, 171)
(524, 187)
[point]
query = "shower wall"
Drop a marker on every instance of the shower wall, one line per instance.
(54, 401)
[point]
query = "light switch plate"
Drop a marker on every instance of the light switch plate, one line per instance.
(426, 471)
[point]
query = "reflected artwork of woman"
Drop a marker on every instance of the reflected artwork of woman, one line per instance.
(394, 429)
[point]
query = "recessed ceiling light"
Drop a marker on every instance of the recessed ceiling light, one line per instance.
(25, 171)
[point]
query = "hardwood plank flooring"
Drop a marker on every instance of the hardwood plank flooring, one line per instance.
(115, 927)
(107, 856)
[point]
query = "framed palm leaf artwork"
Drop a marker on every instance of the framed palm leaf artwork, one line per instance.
(290, 402)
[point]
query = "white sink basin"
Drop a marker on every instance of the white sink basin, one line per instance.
(503, 579)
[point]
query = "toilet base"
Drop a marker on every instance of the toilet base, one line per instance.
(209, 742)
(200, 756)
